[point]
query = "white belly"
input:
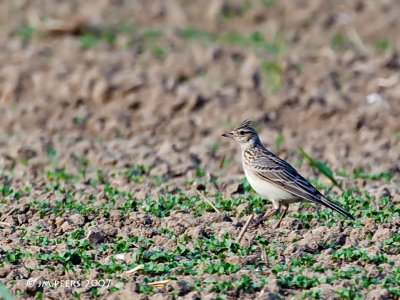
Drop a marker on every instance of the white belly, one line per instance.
(269, 190)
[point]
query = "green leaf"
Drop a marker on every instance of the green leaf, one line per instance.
(89, 40)
(387, 176)
(322, 167)
(273, 72)
(26, 32)
(280, 139)
(192, 33)
(4, 293)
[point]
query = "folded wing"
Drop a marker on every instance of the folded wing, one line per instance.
(276, 171)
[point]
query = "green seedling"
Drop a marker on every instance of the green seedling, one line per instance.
(320, 166)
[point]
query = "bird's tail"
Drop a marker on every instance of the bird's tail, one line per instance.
(336, 208)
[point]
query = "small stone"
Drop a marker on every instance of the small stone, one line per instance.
(65, 226)
(234, 188)
(373, 251)
(294, 236)
(31, 263)
(293, 224)
(335, 238)
(59, 221)
(192, 296)
(182, 287)
(372, 271)
(272, 285)
(77, 219)
(269, 296)
(161, 169)
(377, 294)
(242, 207)
(198, 232)
(396, 260)
(21, 219)
(120, 256)
(141, 195)
(5, 270)
(327, 252)
(309, 245)
(382, 234)
(327, 291)
(243, 260)
(96, 237)
(109, 230)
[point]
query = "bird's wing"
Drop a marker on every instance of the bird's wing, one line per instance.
(277, 171)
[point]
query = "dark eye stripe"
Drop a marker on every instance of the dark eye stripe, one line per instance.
(244, 131)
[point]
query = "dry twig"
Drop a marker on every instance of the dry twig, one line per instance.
(208, 201)
(135, 269)
(160, 283)
(5, 224)
(244, 228)
(264, 255)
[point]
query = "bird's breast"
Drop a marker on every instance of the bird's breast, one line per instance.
(266, 189)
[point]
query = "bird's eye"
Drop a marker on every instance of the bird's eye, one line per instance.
(241, 132)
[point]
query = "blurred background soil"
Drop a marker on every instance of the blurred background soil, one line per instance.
(171, 76)
(156, 83)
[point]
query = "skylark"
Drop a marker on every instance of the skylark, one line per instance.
(273, 177)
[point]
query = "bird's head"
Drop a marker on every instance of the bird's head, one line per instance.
(244, 135)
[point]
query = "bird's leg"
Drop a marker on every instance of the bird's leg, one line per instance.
(285, 209)
(266, 216)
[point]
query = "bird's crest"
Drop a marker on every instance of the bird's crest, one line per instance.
(244, 124)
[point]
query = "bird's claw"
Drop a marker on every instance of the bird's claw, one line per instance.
(258, 223)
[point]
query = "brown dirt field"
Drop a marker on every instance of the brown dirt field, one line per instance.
(101, 99)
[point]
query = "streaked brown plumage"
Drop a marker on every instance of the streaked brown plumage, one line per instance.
(272, 177)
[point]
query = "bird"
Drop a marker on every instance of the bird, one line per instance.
(273, 177)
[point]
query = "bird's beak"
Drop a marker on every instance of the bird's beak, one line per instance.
(228, 134)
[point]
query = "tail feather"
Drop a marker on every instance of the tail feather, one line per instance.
(336, 208)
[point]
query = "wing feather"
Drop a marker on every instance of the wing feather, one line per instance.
(277, 171)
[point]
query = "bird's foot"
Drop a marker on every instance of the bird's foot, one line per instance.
(258, 222)
(265, 216)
